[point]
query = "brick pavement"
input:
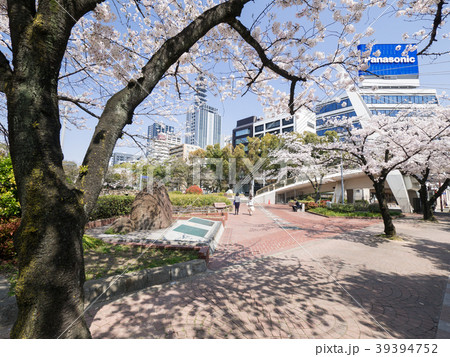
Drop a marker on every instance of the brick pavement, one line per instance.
(339, 283)
(247, 237)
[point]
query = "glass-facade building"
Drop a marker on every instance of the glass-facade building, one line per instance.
(203, 126)
(303, 120)
(158, 128)
(390, 84)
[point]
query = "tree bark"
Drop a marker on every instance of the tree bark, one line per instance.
(389, 228)
(49, 290)
(428, 204)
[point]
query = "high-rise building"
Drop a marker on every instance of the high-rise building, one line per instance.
(158, 128)
(203, 122)
(391, 84)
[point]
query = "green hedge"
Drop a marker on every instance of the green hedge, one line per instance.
(196, 200)
(112, 206)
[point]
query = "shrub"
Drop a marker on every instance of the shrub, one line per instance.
(195, 190)
(374, 207)
(7, 230)
(112, 206)
(344, 208)
(196, 200)
(310, 205)
(9, 205)
(361, 206)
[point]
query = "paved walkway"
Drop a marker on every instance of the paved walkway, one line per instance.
(312, 278)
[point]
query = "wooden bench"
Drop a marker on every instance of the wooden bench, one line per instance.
(220, 206)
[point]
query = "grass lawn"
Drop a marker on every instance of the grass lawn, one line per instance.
(330, 213)
(103, 259)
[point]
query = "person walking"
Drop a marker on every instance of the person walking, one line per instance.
(250, 205)
(237, 203)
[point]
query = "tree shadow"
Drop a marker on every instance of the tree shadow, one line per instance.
(279, 298)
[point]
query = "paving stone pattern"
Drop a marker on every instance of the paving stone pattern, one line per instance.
(318, 278)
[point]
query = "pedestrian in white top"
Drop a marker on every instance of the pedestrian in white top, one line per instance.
(250, 205)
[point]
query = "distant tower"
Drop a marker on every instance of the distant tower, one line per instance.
(203, 122)
(200, 91)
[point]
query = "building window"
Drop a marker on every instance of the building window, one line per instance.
(334, 106)
(259, 128)
(289, 129)
(273, 124)
(259, 135)
(400, 99)
(241, 141)
(274, 132)
(311, 125)
(242, 132)
(288, 121)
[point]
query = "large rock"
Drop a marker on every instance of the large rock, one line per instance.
(150, 210)
(123, 225)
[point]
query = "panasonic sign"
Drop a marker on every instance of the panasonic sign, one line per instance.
(388, 60)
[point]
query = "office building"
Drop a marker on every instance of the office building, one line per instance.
(243, 130)
(203, 122)
(182, 151)
(303, 120)
(159, 147)
(159, 128)
(120, 158)
(390, 84)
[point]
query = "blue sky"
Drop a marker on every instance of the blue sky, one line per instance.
(434, 73)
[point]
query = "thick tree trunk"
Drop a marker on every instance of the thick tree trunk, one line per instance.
(49, 290)
(389, 228)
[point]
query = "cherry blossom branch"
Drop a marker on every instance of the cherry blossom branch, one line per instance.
(78, 103)
(120, 107)
(247, 36)
(436, 23)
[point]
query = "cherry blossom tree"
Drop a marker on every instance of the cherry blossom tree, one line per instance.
(301, 157)
(381, 144)
(366, 147)
(114, 61)
(433, 161)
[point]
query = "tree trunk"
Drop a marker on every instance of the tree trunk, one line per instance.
(427, 208)
(389, 228)
(49, 290)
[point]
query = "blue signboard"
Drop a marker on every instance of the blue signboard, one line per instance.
(390, 60)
